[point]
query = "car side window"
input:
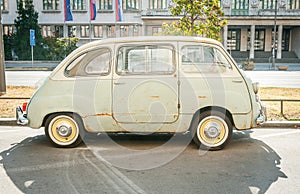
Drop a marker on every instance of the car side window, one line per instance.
(148, 59)
(199, 58)
(91, 63)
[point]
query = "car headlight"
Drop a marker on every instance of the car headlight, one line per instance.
(255, 86)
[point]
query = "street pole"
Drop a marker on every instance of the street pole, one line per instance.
(2, 68)
(274, 37)
(32, 56)
(90, 22)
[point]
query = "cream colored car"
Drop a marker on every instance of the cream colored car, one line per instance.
(146, 85)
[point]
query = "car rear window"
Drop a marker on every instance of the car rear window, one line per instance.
(92, 63)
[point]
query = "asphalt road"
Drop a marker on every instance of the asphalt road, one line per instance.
(286, 79)
(255, 161)
(290, 79)
(25, 78)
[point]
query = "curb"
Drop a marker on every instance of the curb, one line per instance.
(29, 68)
(281, 124)
(268, 124)
(8, 122)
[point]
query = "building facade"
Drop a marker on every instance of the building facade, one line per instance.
(249, 33)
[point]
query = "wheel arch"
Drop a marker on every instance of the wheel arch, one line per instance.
(63, 112)
(195, 118)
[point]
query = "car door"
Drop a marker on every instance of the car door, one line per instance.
(215, 80)
(145, 85)
(91, 77)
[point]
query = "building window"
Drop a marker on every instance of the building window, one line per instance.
(240, 7)
(52, 31)
(23, 1)
(98, 31)
(130, 4)
(46, 31)
(293, 4)
(137, 29)
(105, 5)
(59, 31)
(285, 44)
(50, 4)
(158, 4)
(156, 30)
(259, 41)
(267, 4)
(8, 30)
(234, 39)
(130, 30)
(72, 31)
(124, 31)
(286, 39)
(110, 31)
(84, 31)
(4, 5)
(78, 5)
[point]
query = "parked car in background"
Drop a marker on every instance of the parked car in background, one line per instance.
(146, 85)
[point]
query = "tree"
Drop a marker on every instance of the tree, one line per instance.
(198, 17)
(59, 48)
(7, 39)
(27, 19)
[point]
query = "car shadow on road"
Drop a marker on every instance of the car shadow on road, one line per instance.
(246, 165)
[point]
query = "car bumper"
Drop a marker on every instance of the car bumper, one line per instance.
(262, 117)
(21, 117)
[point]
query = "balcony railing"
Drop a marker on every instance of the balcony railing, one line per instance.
(239, 12)
(156, 12)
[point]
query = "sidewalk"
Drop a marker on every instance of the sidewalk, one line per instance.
(268, 66)
(268, 124)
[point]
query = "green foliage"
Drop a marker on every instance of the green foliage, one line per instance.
(171, 30)
(198, 17)
(59, 48)
(7, 40)
(27, 19)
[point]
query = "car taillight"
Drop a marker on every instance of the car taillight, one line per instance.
(24, 106)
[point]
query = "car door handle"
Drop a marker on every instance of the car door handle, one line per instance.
(237, 81)
(119, 83)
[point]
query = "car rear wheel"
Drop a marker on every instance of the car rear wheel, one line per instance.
(64, 130)
(213, 131)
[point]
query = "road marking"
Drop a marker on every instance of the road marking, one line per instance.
(117, 179)
(7, 131)
(113, 176)
(279, 134)
(41, 167)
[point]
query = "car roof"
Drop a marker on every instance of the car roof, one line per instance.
(151, 39)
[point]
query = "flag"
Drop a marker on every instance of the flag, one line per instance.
(119, 11)
(68, 13)
(93, 9)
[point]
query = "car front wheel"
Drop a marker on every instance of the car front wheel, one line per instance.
(213, 131)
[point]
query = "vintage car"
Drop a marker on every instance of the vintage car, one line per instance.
(145, 85)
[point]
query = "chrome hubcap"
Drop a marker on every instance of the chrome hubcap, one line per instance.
(212, 130)
(64, 130)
